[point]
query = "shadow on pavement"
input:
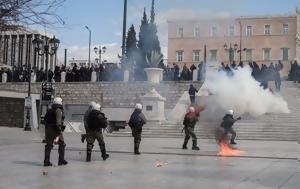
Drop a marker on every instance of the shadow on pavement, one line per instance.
(39, 164)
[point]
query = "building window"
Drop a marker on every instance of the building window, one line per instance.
(249, 31)
(285, 29)
(231, 31)
(196, 32)
(266, 54)
(196, 55)
(179, 56)
(214, 31)
(267, 29)
(180, 32)
(249, 54)
(213, 55)
(285, 54)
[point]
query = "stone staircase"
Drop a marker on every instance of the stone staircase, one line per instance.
(124, 95)
(279, 127)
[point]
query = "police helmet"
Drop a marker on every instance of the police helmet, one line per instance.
(97, 107)
(57, 100)
(191, 109)
(92, 104)
(138, 106)
(230, 112)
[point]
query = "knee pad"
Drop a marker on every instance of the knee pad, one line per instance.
(90, 146)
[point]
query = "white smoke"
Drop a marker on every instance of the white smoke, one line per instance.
(242, 93)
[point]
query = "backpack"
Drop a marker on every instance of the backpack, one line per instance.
(103, 121)
(93, 121)
(50, 117)
(135, 120)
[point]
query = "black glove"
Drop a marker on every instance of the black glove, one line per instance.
(239, 118)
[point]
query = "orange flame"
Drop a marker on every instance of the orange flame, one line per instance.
(227, 150)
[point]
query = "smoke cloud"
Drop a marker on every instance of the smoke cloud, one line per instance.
(242, 93)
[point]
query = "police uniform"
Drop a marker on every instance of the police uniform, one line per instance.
(227, 125)
(189, 122)
(96, 122)
(54, 128)
(136, 122)
(85, 118)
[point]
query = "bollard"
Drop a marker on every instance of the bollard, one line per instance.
(33, 77)
(94, 77)
(195, 75)
(63, 77)
(126, 76)
(4, 77)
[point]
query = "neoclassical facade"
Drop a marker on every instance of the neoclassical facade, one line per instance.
(263, 39)
(16, 49)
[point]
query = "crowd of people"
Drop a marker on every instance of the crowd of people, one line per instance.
(263, 74)
(107, 72)
(294, 74)
(113, 72)
(186, 74)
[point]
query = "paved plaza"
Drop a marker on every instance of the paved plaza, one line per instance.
(163, 164)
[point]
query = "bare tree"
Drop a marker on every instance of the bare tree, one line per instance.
(17, 13)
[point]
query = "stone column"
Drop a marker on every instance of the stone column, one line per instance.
(5, 49)
(13, 50)
(21, 50)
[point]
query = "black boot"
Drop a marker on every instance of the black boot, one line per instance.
(195, 147)
(103, 152)
(104, 155)
(232, 141)
(61, 155)
(83, 138)
(184, 146)
(136, 149)
(47, 162)
(88, 155)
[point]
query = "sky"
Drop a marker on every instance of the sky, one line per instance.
(105, 18)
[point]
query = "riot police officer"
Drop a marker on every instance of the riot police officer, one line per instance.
(85, 118)
(54, 128)
(136, 122)
(227, 124)
(96, 121)
(189, 122)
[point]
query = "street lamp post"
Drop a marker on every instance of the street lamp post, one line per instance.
(28, 100)
(124, 30)
(90, 38)
(100, 51)
(241, 32)
(231, 50)
(49, 48)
